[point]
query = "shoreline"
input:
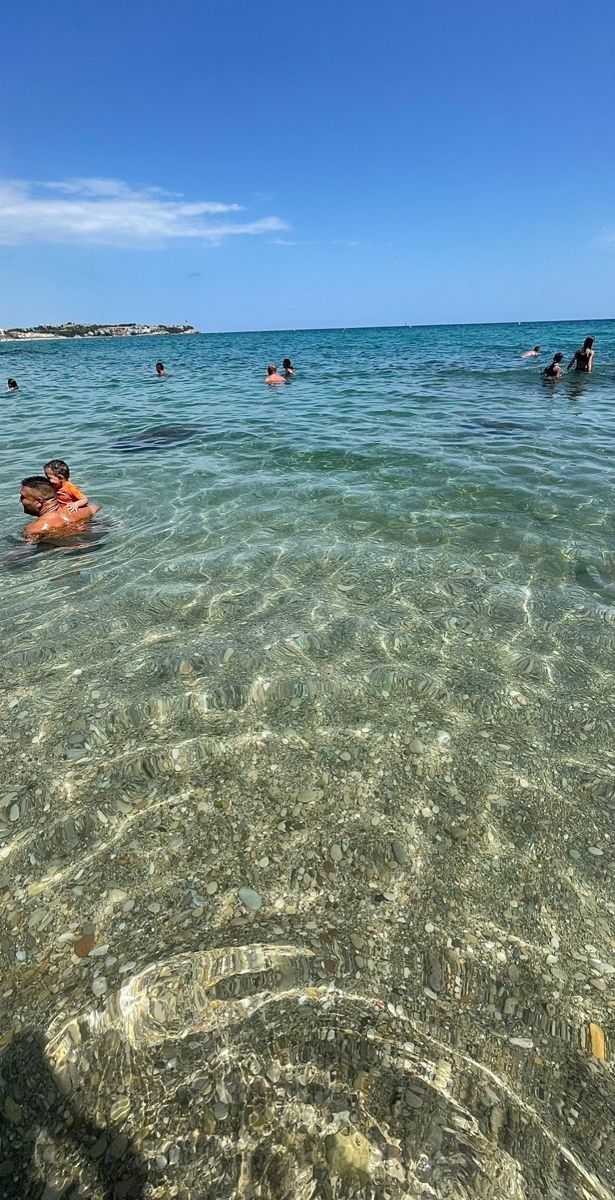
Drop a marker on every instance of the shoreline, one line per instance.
(90, 337)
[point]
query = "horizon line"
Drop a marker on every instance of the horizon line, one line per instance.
(312, 328)
(413, 325)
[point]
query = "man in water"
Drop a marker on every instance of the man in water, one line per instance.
(272, 375)
(38, 499)
(535, 353)
(160, 369)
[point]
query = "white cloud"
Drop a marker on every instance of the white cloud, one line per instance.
(281, 241)
(96, 187)
(111, 213)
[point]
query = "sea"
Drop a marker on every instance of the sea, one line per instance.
(307, 769)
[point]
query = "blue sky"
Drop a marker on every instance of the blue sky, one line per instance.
(254, 165)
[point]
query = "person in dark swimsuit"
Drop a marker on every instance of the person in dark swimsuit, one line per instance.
(583, 359)
(554, 371)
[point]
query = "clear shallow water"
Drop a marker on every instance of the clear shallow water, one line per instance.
(349, 644)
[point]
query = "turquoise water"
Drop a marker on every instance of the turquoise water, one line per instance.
(347, 643)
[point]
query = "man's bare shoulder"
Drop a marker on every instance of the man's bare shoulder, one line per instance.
(78, 515)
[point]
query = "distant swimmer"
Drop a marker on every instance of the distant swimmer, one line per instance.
(12, 385)
(554, 370)
(58, 474)
(39, 500)
(535, 353)
(272, 375)
(160, 370)
(289, 370)
(583, 359)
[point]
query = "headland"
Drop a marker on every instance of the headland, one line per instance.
(72, 330)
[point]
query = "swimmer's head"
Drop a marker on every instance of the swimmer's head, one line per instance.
(558, 357)
(588, 343)
(288, 366)
(536, 349)
(160, 368)
(36, 490)
(12, 385)
(272, 369)
(57, 472)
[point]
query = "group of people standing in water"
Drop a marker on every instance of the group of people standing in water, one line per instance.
(272, 376)
(57, 505)
(582, 360)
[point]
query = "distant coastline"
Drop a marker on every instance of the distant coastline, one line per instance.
(70, 330)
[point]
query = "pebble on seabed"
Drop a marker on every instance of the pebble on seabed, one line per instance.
(597, 1041)
(249, 898)
(399, 854)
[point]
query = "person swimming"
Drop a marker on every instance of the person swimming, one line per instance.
(583, 359)
(272, 375)
(67, 493)
(12, 385)
(535, 353)
(160, 369)
(39, 499)
(554, 370)
(289, 370)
